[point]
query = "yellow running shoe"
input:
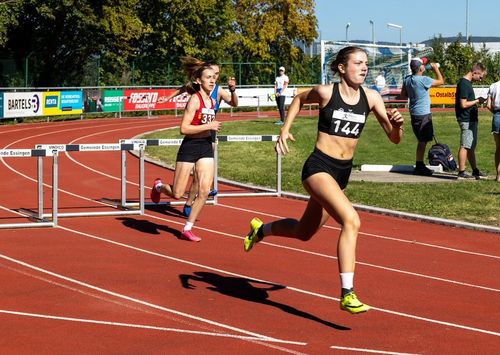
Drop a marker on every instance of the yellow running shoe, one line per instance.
(252, 237)
(351, 304)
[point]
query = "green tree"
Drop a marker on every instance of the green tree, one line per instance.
(269, 30)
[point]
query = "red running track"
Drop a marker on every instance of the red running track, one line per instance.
(127, 284)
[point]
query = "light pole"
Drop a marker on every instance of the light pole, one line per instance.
(26, 67)
(391, 25)
(373, 41)
(466, 20)
(347, 32)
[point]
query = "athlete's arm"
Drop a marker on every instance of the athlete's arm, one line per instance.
(231, 98)
(307, 97)
(391, 121)
(189, 129)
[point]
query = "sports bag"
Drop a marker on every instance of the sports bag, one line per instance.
(440, 154)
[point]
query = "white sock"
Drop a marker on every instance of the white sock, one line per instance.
(158, 186)
(266, 229)
(347, 280)
(188, 226)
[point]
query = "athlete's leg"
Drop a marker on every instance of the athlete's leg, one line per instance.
(204, 172)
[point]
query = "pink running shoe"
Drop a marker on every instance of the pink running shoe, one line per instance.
(155, 194)
(188, 235)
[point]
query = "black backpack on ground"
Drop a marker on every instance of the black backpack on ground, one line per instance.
(440, 154)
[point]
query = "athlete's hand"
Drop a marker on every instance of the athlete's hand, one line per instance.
(395, 117)
(215, 125)
(281, 144)
(231, 83)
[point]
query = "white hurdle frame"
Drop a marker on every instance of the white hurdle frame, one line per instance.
(146, 142)
(53, 149)
(248, 138)
(39, 153)
(177, 142)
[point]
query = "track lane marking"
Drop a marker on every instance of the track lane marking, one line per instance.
(141, 302)
(147, 327)
(315, 294)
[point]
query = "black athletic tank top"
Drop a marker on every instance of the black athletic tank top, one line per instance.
(340, 119)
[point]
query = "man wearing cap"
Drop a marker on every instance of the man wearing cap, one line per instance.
(416, 88)
(280, 85)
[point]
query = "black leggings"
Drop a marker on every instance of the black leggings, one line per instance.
(280, 101)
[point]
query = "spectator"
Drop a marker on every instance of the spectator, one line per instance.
(280, 85)
(416, 88)
(493, 104)
(380, 82)
(467, 116)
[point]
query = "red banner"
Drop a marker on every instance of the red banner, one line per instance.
(152, 99)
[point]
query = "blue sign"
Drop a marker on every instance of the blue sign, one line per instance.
(71, 101)
(1, 104)
(51, 101)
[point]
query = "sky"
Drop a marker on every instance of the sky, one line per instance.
(421, 20)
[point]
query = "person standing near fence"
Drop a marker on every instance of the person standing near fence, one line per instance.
(196, 149)
(416, 88)
(280, 85)
(344, 108)
(466, 112)
(379, 81)
(493, 104)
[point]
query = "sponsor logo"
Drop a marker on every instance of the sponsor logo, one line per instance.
(143, 97)
(51, 101)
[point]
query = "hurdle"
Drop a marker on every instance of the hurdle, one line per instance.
(147, 143)
(39, 154)
(222, 138)
(51, 149)
(248, 138)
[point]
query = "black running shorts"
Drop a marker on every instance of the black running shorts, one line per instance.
(193, 149)
(319, 162)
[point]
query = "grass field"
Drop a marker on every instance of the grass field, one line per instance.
(471, 201)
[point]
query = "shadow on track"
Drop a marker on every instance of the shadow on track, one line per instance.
(149, 227)
(244, 289)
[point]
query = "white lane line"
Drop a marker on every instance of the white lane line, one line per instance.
(147, 327)
(371, 234)
(144, 303)
(296, 249)
(302, 251)
(361, 350)
(222, 205)
(406, 315)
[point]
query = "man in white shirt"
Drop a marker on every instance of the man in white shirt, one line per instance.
(493, 104)
(280, 85)
(380, 81)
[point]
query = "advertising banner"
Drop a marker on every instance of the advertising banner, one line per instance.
(151, 99)
(62, 103)
(446, 95)
(112, 100)
(22, 104)
(442, 96)
(1, 105)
